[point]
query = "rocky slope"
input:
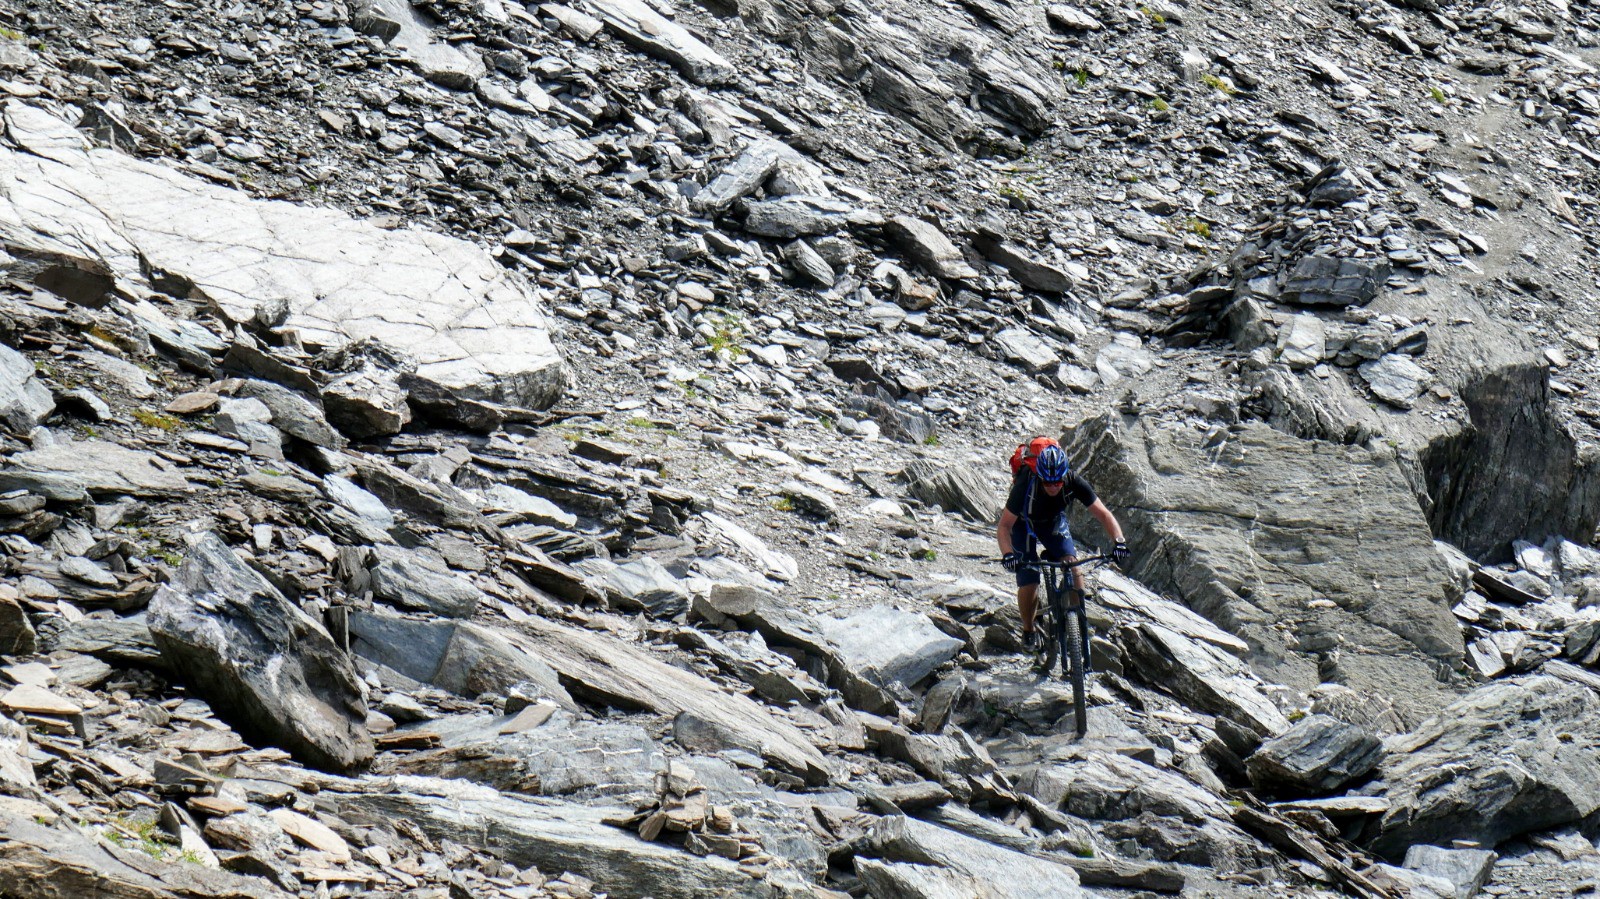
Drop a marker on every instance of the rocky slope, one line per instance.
(475, 449)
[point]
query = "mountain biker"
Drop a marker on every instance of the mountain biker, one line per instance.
(1035, 515)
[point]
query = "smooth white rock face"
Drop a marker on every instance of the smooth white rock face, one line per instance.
(476, 329)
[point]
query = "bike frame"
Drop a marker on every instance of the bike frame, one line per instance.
(1069, 623)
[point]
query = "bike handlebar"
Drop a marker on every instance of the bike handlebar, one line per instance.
(1065, 566)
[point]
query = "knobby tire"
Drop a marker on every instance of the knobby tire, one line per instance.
(1071, 637)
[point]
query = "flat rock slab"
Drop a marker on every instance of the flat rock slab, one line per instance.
(1253, 529)
(897, 838)
(476, 330)
(554, 836)
(889, 646)
(74, 471)
(47, 863)
(606, 669)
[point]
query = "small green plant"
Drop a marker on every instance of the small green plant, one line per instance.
(156, 420)
(727, 334)
(10, 33)
(783, 504)
(826, 422)
(1198, 228)
(1156, 19)
(1296, 715)
(1438, 95)
(190, 856)
(925, 555)
(1081, 76)
(1160, 105)
(931, 440)
(639, 421)
(1217, 84)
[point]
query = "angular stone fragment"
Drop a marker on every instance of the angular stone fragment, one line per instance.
(800, 216)
(1396, 379)
(17, 637)
(929, 246)
(405, 29)
(1325, 281)
(412, 580)
(264, 665)
(51, 862)
(462, 657)
(956, 488)
(1022, 347)
(24, 400)
(1029, 271)
(636, 23)
(16, 770)
(1318, 754)
(1466, 870)
(889, 646)
(896, 838)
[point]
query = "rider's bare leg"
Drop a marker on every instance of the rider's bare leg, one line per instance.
(1028, 605)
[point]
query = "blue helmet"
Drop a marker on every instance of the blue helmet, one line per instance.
(1051, 466)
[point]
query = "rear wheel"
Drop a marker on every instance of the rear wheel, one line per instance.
(1072, 654)
(1049, 649)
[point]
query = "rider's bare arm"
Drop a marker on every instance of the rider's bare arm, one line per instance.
(1008, 519)
(1106, 519)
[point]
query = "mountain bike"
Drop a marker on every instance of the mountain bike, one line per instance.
(1065, 625)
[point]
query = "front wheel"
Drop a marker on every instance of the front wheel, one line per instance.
(1072, 653)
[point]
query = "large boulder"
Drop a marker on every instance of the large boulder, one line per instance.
(477, 330)
(266, 667)
(1299, 547)
(1511, 757)
(889, 646)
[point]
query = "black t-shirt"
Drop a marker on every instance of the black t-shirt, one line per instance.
(1029, 499)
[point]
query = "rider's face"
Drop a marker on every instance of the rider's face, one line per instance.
(1053, 487)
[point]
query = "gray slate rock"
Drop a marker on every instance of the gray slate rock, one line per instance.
(636, 23)
(24, 400)
(1226, 528)
(17, 637)
(957, 487)
(1464, 869)
(1396, 379)
(801, 216)
(553, 835)
(263, 665)
(1317, 755)
(889, 646)
(929, 246)
(413, 580)
(896, 838)
(1022, 347)
(476, 329)
(73, 471)
(465, 658)
(1521, 755)
(1325, 281)
(48, 862)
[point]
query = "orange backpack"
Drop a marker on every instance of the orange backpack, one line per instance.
(1026, 453)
